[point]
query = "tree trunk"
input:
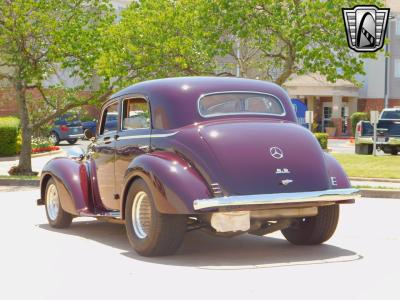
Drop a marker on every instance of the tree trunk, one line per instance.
(24, 166)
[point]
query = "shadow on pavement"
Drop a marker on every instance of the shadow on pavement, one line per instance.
(205, 251)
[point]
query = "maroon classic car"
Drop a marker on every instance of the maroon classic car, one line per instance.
(223, 155)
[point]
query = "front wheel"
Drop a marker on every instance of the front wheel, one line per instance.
(394, 151)
(88, 134)
(56, 216)
(150, 232)
(313, 230)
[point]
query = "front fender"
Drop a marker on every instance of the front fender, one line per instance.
(174, 183)
(336, 173)
(71, 178)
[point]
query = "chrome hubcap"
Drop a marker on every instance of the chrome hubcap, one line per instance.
(52, 202)
(141, 215)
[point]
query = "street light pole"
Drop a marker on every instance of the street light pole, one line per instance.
(387, 65)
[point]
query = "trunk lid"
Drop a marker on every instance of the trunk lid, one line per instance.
(261, 157)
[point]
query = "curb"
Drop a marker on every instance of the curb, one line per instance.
(375, 179)
(377, 193)
(19, 182)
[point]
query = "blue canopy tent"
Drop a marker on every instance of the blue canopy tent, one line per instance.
(300, 108)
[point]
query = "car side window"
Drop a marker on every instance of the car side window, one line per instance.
(109, 120)
(136, 114)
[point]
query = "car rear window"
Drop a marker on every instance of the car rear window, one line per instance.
(239, 103)
(391, 114)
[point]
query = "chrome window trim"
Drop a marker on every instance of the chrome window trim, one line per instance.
(240, 114)
(102, 116)
(122, 111)
(330, 195)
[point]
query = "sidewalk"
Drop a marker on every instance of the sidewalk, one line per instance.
(37, 162)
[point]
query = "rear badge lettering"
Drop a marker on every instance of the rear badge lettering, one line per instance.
(334, 181)
(282, 171)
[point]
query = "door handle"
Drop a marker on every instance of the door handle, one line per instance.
(106, 138)
(116, 137)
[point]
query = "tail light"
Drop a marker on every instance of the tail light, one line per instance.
(64, 128)
(358, 128)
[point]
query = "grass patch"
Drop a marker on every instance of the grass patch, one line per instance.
(374, 187)
(19, 177)
(369, 166)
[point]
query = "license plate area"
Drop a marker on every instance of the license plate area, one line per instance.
(231, 221)
(380, 139)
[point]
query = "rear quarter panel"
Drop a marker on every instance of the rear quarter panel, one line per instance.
(174, 183)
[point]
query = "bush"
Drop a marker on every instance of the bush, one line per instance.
(357, 117)
(322, 139)
(9, 133)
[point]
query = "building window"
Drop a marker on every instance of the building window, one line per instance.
(397, 67)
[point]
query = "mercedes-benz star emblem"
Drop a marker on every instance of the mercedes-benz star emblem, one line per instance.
(276, 152)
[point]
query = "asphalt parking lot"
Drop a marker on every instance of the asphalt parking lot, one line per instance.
(93, 260)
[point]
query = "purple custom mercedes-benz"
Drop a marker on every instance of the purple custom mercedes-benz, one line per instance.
(224, 155)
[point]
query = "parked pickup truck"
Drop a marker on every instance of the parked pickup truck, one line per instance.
(387, 136)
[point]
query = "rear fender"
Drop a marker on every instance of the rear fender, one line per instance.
(337, 176)
(174, 183)
(72, 182)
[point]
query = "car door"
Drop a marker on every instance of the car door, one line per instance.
(133, 137)
(104, 155)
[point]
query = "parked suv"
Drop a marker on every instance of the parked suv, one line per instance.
(387, 135)
(66, 128)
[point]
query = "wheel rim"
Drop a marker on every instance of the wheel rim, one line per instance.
(53, 138)
(141, 215)
(52, 202)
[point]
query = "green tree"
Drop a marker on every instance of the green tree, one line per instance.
(278, 38)
(38, 38)
(164, 38)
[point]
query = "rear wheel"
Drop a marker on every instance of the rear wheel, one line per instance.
(149, 232)
(313, 230)
(56, 216)
(72, 141)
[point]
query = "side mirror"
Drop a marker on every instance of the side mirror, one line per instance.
(76, 153)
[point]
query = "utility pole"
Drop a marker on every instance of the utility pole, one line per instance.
(387, 65)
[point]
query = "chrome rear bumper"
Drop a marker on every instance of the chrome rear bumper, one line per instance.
(334, 195)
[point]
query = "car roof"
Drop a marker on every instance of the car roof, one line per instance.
(391, 109)
(173, 101)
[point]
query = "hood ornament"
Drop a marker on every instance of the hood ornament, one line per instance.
(276, 152)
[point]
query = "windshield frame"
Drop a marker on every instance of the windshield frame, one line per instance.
(240, 113)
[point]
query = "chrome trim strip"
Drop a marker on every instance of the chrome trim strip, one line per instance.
(240, 114)
(76, 135)
(143, 136)
(279, 198)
